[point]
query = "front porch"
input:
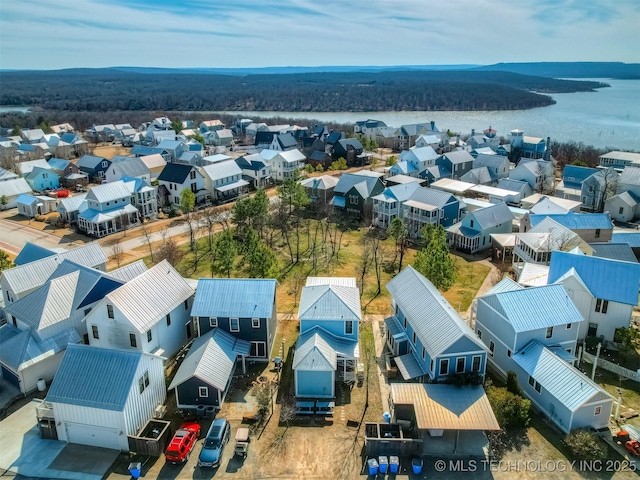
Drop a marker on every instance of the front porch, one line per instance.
(99, 224)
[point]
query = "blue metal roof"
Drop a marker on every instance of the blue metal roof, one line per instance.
(632, 239)
(577, 221)
(58, 163)
(607, 279)
(32, 252)
(573, 176)
(141, 150)
(90, 161)
(234, 297)
(95, 377)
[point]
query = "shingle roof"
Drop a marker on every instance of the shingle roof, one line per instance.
(175, 173)
(564, 382)
(494, 215)
(107, 376)
(234, 297)
(436, 323)
(211, 359)
(150, 296)
(534, 308)
(330, 302)
(597, 274)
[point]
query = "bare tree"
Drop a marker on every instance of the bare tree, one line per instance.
(170, 252)
(117, 251)
(366, 260)
(147, 239)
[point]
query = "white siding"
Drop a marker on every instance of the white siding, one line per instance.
(140, 406)
(44, 369)
(65, 413)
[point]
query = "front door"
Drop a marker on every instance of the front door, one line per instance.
(188, 326)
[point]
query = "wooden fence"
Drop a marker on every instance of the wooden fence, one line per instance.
(612, 367)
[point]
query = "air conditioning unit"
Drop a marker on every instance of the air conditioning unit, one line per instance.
(160, 411)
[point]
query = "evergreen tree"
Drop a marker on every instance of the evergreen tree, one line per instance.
(434, 262)
(225, 251)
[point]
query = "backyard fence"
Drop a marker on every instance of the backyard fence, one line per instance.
(612, 367)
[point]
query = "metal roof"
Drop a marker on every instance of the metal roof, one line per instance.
(228, 168)
(234, 297)
(436, 323)
(291, 155)
(629, 156)
(323, 182)
(565, 383)
(150, 296)
(7, 175)
(32, 252)
(31, 275)
(487, 190)
(598, 273)
(534, 308)
(109, 192)
(211, 359)
(409, 366)
(316, 344)
(513, 185)
(504, 285)
(629, 176)
(175, 172)
(430, 196)
(401, 192)
(614, 251)
(130, 166)
(403, 179)
(349, 180)
(343, 281)
(446, 407)
(106, 377)
(395, 329)
(12, 188)
(494, 215)
(477, 175)
(450, 185)
(71, 204)
(128, 272)
(630, 238)
(330, 302)
(549, 235)
(420, 154)
(90, 161)
(458, 156)
(97, 216)
(577, 221)
(533, 275)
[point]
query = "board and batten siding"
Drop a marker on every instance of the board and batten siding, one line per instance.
(140, 407)
(315, 384)
(45, 369)
(188, 396)
(336, 327)
(264, 333)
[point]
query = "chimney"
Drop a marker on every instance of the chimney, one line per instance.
(433, 125)
(473, 132)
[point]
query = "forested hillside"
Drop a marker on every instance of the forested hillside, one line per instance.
(105, 90)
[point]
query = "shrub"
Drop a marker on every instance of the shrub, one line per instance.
(161, 215)
(586, 445)
(512, 383)
(40, 218)
(510, 410)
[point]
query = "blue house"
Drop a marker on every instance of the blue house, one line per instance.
(94, 167)
(40, 179)
(473, 233)
(244, 308)
(204, 376)
(327, 349)
(457, 162)
(429, 340)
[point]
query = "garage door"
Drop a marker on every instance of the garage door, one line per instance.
(94, 436)
(10, 377)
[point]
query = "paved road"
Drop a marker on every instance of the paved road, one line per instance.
(14, 236)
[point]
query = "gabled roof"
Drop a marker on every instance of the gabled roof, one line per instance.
(478, 175)
(27, 167)
(32, 252)
(436, 323)
(7, 175)
(170, 144)
(175, 172)
(534, 308)
(31, 275)
(142, 150)
(547, 206)
(234, 297)
(504, 285)
(549, 235)
(564, 382)
(577, 221)
(211, 359)
(148, 298)
(90, 161)
(130, 166)
(330, 302)
(598, 274)
(513, 185)
(128, 272)
(614, 251)
(573, 176)
(58, 163)
(107, 376)
(109, 192)
(286, 140)
(458, 156)
(323, 182)
(252, 162)
(494, 215)
(399, 193)
(294, 155)
(343, 281)
(490, 161)
(317, 349)
(630, 238)
(349, 180)
(37, 172)
(72, 204)
(630, 176)
(153, 161)
(220, 170)
(437, 198)
(626, 197)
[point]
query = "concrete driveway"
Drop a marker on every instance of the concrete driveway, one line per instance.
(23, 452)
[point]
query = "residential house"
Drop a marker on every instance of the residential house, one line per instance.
(32, 135)
(118, 394)
(144, 150)
(620, 160)
(191, 158)
(351, 150)
(414, 162)
(62, 128)
(571, 185)
(109, 210)
(541, 204)
(68, 172)
(320, 189)
(529, 147)
(427, 206)
(7, 175)
(211, 126)
(102, 133)
(369, 128)
(473, 233)
(150, 313)
(426, 336)
(497, 165)
(433, 141)
(10, 190)
(537, 173)
(252, 129)
(605, 305)
(522, 188)
(31, 206)
(204, 376)
(220, 138)
(69, 208)
(613, 251)
(285, 164)
(354, 192)
(624, 206)
(630, 238)
(592, 227)
(19, 281)
(173, 149)
(155, 163)
(95, 167)
(32, 252)
(143, 196)
(131, 167)
(41, 179)
(479, 176)
(387, 205)
(482, 151)
(176, 177)
(319, 157)
(406, 135)
(255, 170)
(243, 308)
(223, 181)
(457, 162)
(327, 349)
(276, 141)
(487, 139)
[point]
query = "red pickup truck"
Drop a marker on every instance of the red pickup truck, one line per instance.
(182, 443)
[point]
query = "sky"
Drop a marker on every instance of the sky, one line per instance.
(45, 34)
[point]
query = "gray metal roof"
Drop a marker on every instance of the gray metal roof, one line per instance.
(106, 377)
(234, 297)
(436, 323)
(31, 275)
(109, 192)
(12, 188)
(614, 251)
(513, 185)
(534, 308)
(409, 366)
(505, 285)
(630, 175)
(150, 296)
(130, 166)
(330, 302)
(128, 272)
(430, 196)
(349, 180)
(459, 156)
(71, 204)
(227, 168)
(494, 215)
(323, 182)
(630, 238)
(317, 344)
(343, 281)
(565, 383)
(211, 358)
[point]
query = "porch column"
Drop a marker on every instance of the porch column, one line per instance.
(244, 366)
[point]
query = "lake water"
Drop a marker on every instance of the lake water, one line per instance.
(606, 118)
(4, 109)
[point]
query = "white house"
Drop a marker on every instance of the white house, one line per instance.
(11, 190)
(175, 178)
(284, 164)
(223, 181)
(109, 210)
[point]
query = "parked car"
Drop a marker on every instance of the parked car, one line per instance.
(242, 442)
(182, 443)
(217, 437)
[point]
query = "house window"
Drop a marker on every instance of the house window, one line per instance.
(602, 305)
(471, 223)
(168, 319)
(348, 327)
(149, 336)
(475, 365)
(597, 410)
(110, 311)
(424, 352)
(86, 311)
(146, 378)
(203, 392)
(549, 333)
(621, 211)
(132, 340)
(213, 322)
(258, 349)
(508, 353)
(234, 325)
(479, 333)
(431, 366)
(597, 233)
(94, 331)
(192, 175)
(104, 164)
(353, 199)
(537, 387)
(492, 347)
(532, 382)
(444, 367)
(141, 384)
(404, 321)
(414, 338)
(460, 363)
(593, 330)
(186, 304)
(255, 323)
(568, 326)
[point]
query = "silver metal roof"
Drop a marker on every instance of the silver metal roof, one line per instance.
(109, 192)
(330, 302)
(343, 281)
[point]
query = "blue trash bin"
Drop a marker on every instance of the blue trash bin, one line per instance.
(135, 468)
(416, 464)
(373, 466)
(383, 462)
(394, 464)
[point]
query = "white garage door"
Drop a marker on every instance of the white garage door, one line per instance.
(94, 436)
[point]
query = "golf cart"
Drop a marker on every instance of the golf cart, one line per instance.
(242, 443)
